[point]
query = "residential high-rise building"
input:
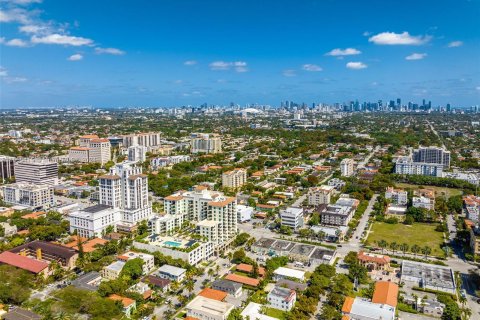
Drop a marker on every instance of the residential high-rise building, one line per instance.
(405, 165)
(149, 140)
(206, 143)
(137, 153)
(7, 168)
(37, 171)
(93, 221)
(346, 167)
(432, 155)
(126, 188)
(234, 178)
(30, 195)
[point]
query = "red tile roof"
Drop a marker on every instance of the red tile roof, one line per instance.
(213, 294)
(385, 293)
(243, 280)
(249, 268)
(125, 301)
(347, 305)
(29, 264)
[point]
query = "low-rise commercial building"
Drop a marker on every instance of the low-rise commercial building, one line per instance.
(171, 273)
(93, 221)
(429, 276)
(208, 309)
(292, 218)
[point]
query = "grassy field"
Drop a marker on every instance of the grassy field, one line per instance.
(449, 192)
(279, 314)
(421, 234)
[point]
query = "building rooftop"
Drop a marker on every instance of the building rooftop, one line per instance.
(243, 280)
(429, 274)
(85, 280)
(385, 292)
(25, 263)
(303, 249)
(116, 266)
(234, 286)
(367, 309)
(96, 208)
(175, 271)
(21, 314)
(46, 247)
(288, 272)
(213, 294)
(283, 293)
(252, 310)
(210, 306)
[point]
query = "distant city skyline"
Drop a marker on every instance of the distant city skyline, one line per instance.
(175, 53)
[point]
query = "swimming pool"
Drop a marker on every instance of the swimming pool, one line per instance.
(172, 244)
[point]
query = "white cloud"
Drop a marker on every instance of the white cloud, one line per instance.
(289, 73)
(2, 40)
(343, 52)
(23, 2)
(3, 72)
(392, 38)
(62, 40)
(30, 28)
(16, 43)
(190, 63)
(75, 57)
(311, 67)
(114, 51)
(416, 56)
(455, 44)
(366, 33)
(356, 65)
(16, 79)
(15, 15)
(238, 66)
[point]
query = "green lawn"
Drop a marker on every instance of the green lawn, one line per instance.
(448, 192)
(421, 234)
(279, 314)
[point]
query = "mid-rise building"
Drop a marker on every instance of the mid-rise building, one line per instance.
(320, 195)
(206, 143)
(32, 196)
(338, 184)
(137, 153)
(113, 270)
(432, 155)
(424, 198)
(93, 221)
(397, 196)
(340, 213)
(7, 168)
(148, 260)
(37, 171)
(91, 149)
(471, 205)
(292, 218)
(234, 178)
(125, 188)
(405, 165)
(346, 167)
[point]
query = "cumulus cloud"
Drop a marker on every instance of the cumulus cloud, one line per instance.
(455, 44)
(343, 52)
(392, 38)
(190, 62)
(311, 67)
(60, 39)
(16, 43)
(356, 65)
(416, 56)
(238, 66)
(19, 15)
(289, 73)
(30, 28)
(75, 57)
(113, 51)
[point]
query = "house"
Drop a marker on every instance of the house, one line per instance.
(171, 273)
(243, 280)
(386, 293)
(21, 314)
(232, 288)
(129, 305)
(162, 284)
(213, 294)
(360, 309)
(252, 311)
(247, 268)
(373, 261)
(282, 298)
(287, 273)
(208, 309)
(113, 270)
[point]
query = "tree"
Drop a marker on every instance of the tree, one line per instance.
(415, 249)
(455, 204)
(404, 247)
(382, 244)
(239, 255)
(394, 246)
(426, 251)
(133, 269)
(190, 286)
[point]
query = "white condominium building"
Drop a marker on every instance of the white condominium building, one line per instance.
(7, 168)
(91, 149)
(292, 217)
(432, 155)
(126, 188)
(346, 167)
(137, 153)
(234, 178)
(33, 196)
(93, 221)
(320, 195)
(149, 140)
(206, 143)
(397, 196)
(37, 171)
(405, 165)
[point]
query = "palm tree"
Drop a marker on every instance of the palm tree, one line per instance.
(426, 251)
(394, 246)
(210, 272)
(467, 313)
(190, 286)
(415, 249)
(382, 244)
(404, 247)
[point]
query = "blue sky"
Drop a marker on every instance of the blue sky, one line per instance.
(176, 52)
